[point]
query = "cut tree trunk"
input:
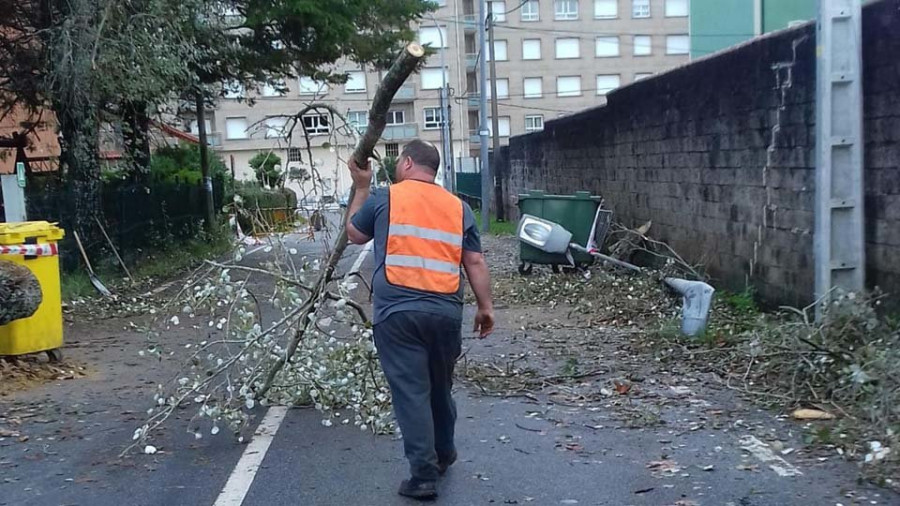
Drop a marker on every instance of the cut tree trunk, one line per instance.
(20, 292)
(136, 134)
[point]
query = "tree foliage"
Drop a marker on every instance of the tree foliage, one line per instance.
(268, 169)
(181, 163)
(90, 61)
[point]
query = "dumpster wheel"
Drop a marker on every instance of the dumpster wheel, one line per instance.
(565, 269)
(55, 355)
(525, 269)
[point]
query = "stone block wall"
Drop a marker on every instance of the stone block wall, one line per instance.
(720, 155)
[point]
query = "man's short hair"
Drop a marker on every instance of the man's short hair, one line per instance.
(422, 153)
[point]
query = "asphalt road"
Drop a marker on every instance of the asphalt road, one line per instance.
(512, 451)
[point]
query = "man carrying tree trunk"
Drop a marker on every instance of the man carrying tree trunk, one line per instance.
(422, 234)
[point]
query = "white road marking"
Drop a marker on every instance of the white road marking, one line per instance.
(241, 478)
(361, 258)
(254, 250)
(765, 454)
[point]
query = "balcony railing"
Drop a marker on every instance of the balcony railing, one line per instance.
(470, 22)
(406, 92)
(400, 132)
(214, 139)
(474, 138)
(474, 101)
(471, 61)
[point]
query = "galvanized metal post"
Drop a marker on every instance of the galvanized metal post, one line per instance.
(445, 112)
(839, 237)
(495, 113)
(487, 182)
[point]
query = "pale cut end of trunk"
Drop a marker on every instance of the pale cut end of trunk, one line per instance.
(20, 292)
(415, 49)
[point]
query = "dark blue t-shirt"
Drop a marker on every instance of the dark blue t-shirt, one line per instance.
(373, 220)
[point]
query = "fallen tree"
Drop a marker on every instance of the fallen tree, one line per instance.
(20, 292)
(299, 359)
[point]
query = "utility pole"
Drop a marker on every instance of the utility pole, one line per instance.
(839, 242)
(209, 215)
(495, 115)
(486, 179)
(452, 160)
(445, 110)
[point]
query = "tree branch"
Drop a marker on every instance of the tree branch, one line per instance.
(403, 66)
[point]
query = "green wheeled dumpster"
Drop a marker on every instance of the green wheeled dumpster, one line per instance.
(576, 213)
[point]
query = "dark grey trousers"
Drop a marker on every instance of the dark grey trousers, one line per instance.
(418, 351)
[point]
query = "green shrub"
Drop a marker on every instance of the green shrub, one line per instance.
(388, 169)
(254, 196)
(181, 164)
(262, 210)
(267, 168)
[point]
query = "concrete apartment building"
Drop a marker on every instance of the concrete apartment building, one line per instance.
(553, 57)
(556, 57)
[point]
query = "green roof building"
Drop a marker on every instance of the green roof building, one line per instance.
(718, 24)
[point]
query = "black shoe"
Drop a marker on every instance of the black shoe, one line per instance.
(418, 489)
(443, 465)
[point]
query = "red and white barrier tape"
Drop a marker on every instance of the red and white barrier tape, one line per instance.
(35, 250)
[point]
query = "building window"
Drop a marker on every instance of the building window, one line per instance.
(502, 89)
(568, 48)
(607, 83)
(640, 76)
(194, 127)
(643, 45)
(433, 36)
(676, 8)
(233, 90)
(606, 9)
(356, 82)
(309, 86)
(498, 11)
(432, 118)
(607, 47)
(678, 44)
(640, 8)
(533, 87)
(392, 150)
(534, 123)
(568, 86)
(274, 89)
(295, 155)
(317, 124)
(395, 118)
(433, 79)
(503, 126)
(565, 9)
(499, 51)
(358, 120)
(236, 128)
(531, 10)
(276, 128)
(531, 49)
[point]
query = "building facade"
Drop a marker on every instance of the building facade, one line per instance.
(718, 24)
(557, 57)
(553, 57)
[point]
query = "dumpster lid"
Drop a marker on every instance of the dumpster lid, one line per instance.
(20, 232)
(542, 195)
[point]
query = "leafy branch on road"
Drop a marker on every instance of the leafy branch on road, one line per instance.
(319, 352)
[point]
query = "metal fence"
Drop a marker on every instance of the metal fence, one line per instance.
(468, 188)
(134, 216)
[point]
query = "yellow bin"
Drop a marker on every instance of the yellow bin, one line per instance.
(33, 244)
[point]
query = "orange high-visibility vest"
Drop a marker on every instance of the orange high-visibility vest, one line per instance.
(424, 244)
